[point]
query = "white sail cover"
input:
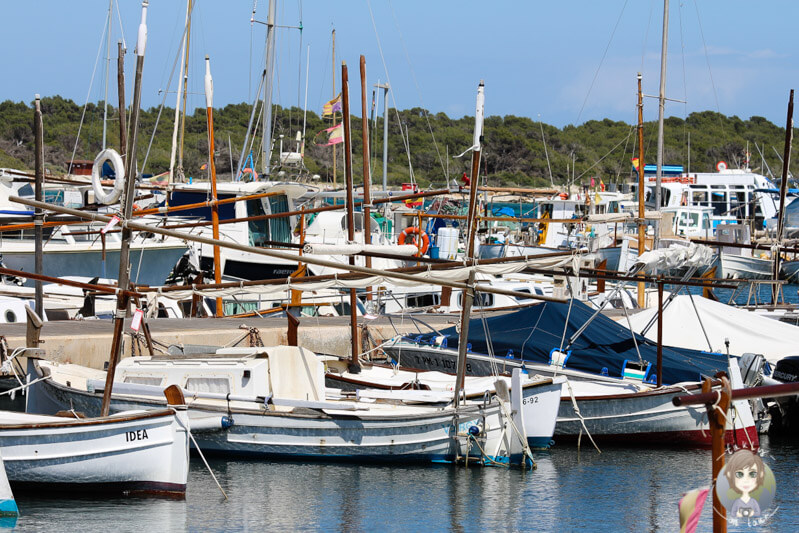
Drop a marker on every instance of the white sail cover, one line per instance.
(675, 256)
(747, 331)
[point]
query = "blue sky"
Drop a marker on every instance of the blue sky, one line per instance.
(568, 60)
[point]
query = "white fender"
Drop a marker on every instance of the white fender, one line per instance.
(100, 194)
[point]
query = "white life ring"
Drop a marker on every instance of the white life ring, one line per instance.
(100, 194)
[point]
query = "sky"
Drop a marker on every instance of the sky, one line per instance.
(563, 62)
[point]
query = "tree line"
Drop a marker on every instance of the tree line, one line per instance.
(420, 143)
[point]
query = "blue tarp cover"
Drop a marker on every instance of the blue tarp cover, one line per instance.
(533, 332)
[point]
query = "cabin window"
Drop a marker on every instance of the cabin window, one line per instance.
(699, 198)
(259, 229)
(525, 291)
(144, 380)
(719, 202)
(178, 198)
(208, 385)
(280, 227)
(705, 221)
(481, 299)
(422, 300)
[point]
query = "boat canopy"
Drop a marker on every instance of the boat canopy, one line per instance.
(603, 348)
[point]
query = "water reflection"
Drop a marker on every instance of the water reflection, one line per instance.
(618, 490)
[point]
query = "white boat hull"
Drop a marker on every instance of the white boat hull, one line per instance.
(135, 453)
(324, 434)
(741, 267)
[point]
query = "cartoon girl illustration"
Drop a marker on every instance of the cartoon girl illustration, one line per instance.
(745, 473)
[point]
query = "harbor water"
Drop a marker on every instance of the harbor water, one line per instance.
(621, 489)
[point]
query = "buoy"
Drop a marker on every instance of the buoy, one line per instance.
(413, 230)
(721, 165)
(100, 194)
(253, 174)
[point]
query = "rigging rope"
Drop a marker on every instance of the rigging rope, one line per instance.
(601, 61)
(88, 93)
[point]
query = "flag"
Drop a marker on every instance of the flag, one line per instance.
(635, 163)
(335, 135)
(593, 183)
(690, 506)
(332, 106)
(205, 165)
(601, 185)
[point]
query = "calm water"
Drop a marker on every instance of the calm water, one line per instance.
(619, 490)
(622, 489)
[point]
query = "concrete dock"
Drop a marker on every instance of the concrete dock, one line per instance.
(88, 342)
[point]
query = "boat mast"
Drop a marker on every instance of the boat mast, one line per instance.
(478, 138)
(38, 130)
(123, 127)
(334, 111)
(127, 210)
(367, 177)
(661, 108)
(209, 110)
(180, 95)
(185, 82)
(786, 161)
(385, 88)
(270, 61)
(354, 365)
(641, 196)
(107, 69)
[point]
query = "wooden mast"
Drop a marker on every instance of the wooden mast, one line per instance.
(127, 209)
(209, 110)
(468, 293)
(641, 196)
(367, 177)
(786, 162)
(354, 365)
(473, 184)
(123, 127)
(38, 219)
(334, 112)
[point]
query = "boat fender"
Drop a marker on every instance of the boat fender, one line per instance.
(509, 355)
(227, 422)
(558, 358)
(474, 431)
(468, 347)
(100, 194)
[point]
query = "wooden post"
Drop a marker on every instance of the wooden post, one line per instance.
(467, 299)
(716, 414)
(641, 195)
(291, 334)
(127, 210)
(660, 333)
(354, 365)
(123, 115)
(38, 219)
(786, 161)
(209, 110)
(367, 177)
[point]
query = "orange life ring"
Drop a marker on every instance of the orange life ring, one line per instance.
(413, 230)
(564, 196)
(251, 172)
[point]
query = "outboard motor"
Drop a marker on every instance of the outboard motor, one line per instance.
(754, 372)
(785, 411)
